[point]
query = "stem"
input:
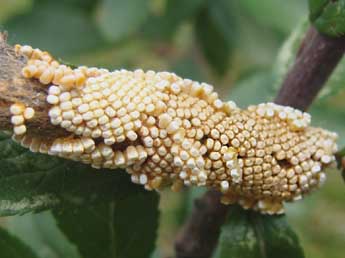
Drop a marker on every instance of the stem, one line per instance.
(197, 238)
(15, 88)
(317, 57)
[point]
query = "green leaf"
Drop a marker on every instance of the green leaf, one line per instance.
(215, 33)
(33, 182)
(59, 28)
(119, 19)
(316, 7)
(328, 16)
(164, 25)
(176, 12)
(11, 247)
(86, 5)
(122, 228)
(280, 15)
(248, 234)
(237, 237)
(41, 233)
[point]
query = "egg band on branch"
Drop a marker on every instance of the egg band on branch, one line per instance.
(169, 131)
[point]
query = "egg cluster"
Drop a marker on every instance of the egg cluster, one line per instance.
(169, 131)
(42, 66)
(20, 113)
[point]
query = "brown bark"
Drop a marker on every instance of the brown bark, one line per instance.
(197, 238)
(15, 88)
(318, 56)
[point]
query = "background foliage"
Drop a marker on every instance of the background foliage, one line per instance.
(242, 47)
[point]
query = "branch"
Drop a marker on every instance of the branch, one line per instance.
(15, 88)
(317, 57)
(199, 236)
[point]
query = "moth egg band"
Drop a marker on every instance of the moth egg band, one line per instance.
(165, 130)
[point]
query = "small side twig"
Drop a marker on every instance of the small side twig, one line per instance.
(317, 57)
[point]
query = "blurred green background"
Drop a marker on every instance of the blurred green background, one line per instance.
(244, 48)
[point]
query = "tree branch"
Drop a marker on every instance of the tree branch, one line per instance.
(199, 235)
(315, 62)
(316, 59)
(15, 88)
(318, 56)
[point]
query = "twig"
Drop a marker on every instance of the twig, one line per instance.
(197, 238)
(317, 57)
(316, 60)
(15, 88)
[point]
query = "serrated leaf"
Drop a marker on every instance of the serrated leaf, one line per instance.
(11, 247)
(62, 29)
(215, 33)
(248, 234)
(328, 16)
(34, 182)
(237, 237)
(118, 19)
(122, 228)
(40, 233)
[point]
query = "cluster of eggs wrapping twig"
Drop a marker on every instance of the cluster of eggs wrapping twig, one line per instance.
(166, 130)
